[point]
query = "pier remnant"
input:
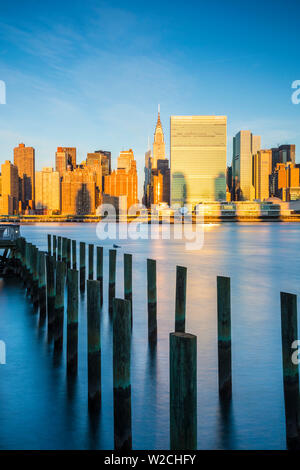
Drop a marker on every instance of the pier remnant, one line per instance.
(183, 391)
(128, 281)
(72, 322)
(59, 305)
(91, 262)
(121, 374)
(152, 300)
(82, 266)
(94, 345)
(289, 335)
(224, 336)
(180, 303)
(111, 279)
(100, 271)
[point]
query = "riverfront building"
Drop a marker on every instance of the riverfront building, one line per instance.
(198, 159)
(24, 159)
(124, 180)
(262, 167)
(48, 194)
(245, 145)
(78, 190)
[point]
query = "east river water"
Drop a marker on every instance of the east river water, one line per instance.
(41, 409)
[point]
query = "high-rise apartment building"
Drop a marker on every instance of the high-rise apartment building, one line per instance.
(262, 168)
(24, 159)
(71, 156)
(10, 183)
(124, 180)
(47, 191)
(78, 192)
(283, 154)
(245, 145)
(198, 159)
(159, 150)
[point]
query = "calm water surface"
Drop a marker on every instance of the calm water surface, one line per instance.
(41, 409)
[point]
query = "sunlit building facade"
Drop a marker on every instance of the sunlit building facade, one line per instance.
(47, 191)
(245, 145)
(24, 159)
(262, 168)
(198, 159)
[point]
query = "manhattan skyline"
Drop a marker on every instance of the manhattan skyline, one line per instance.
(93, 77)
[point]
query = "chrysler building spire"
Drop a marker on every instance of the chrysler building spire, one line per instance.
(159, 151)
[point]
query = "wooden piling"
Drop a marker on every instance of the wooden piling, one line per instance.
(224, 337)
(64, 250)
(94, 345)
(82, 266)
(183, 391)
(68, 248)
(72, 322)
(50, 270)
(35, 278)
(289, 334)
(91, 262)
(111, 279)
(180, 303)
(54, 240)
(152, 300)
(42, 286)
(59, 305)
(74, 254)
(128, 281)
(59, 248)
(49, 244)
(100, 271)
(121, 375)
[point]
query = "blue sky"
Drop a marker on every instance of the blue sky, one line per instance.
(90, 73)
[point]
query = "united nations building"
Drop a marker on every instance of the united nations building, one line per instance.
(198, 159)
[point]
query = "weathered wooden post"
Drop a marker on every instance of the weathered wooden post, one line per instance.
(42, 286)
(82, 266)
(50, 269)
(54, 240)
(180, 304)
(35, 280)
(28, 266)
(91, 262)
(111, 279)
(68, 247)
(100, 271)
(64, 250)
(72, 322)
(49, 244)
(59, 248)
(183, 391)
(128, 281)
(94, 345)
(121, 374)
(74, 254)
(152, 300)
(289, 336)
(30, 269)
(59, 305)
(224, 336)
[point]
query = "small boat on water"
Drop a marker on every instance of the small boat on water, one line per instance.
(116, 246)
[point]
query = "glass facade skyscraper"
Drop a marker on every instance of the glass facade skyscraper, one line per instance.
(198, 159)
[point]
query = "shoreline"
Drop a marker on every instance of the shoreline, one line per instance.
(31, 219)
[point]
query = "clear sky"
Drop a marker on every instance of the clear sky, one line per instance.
(90, 73)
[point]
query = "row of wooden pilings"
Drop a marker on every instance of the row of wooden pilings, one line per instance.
(44, 275)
